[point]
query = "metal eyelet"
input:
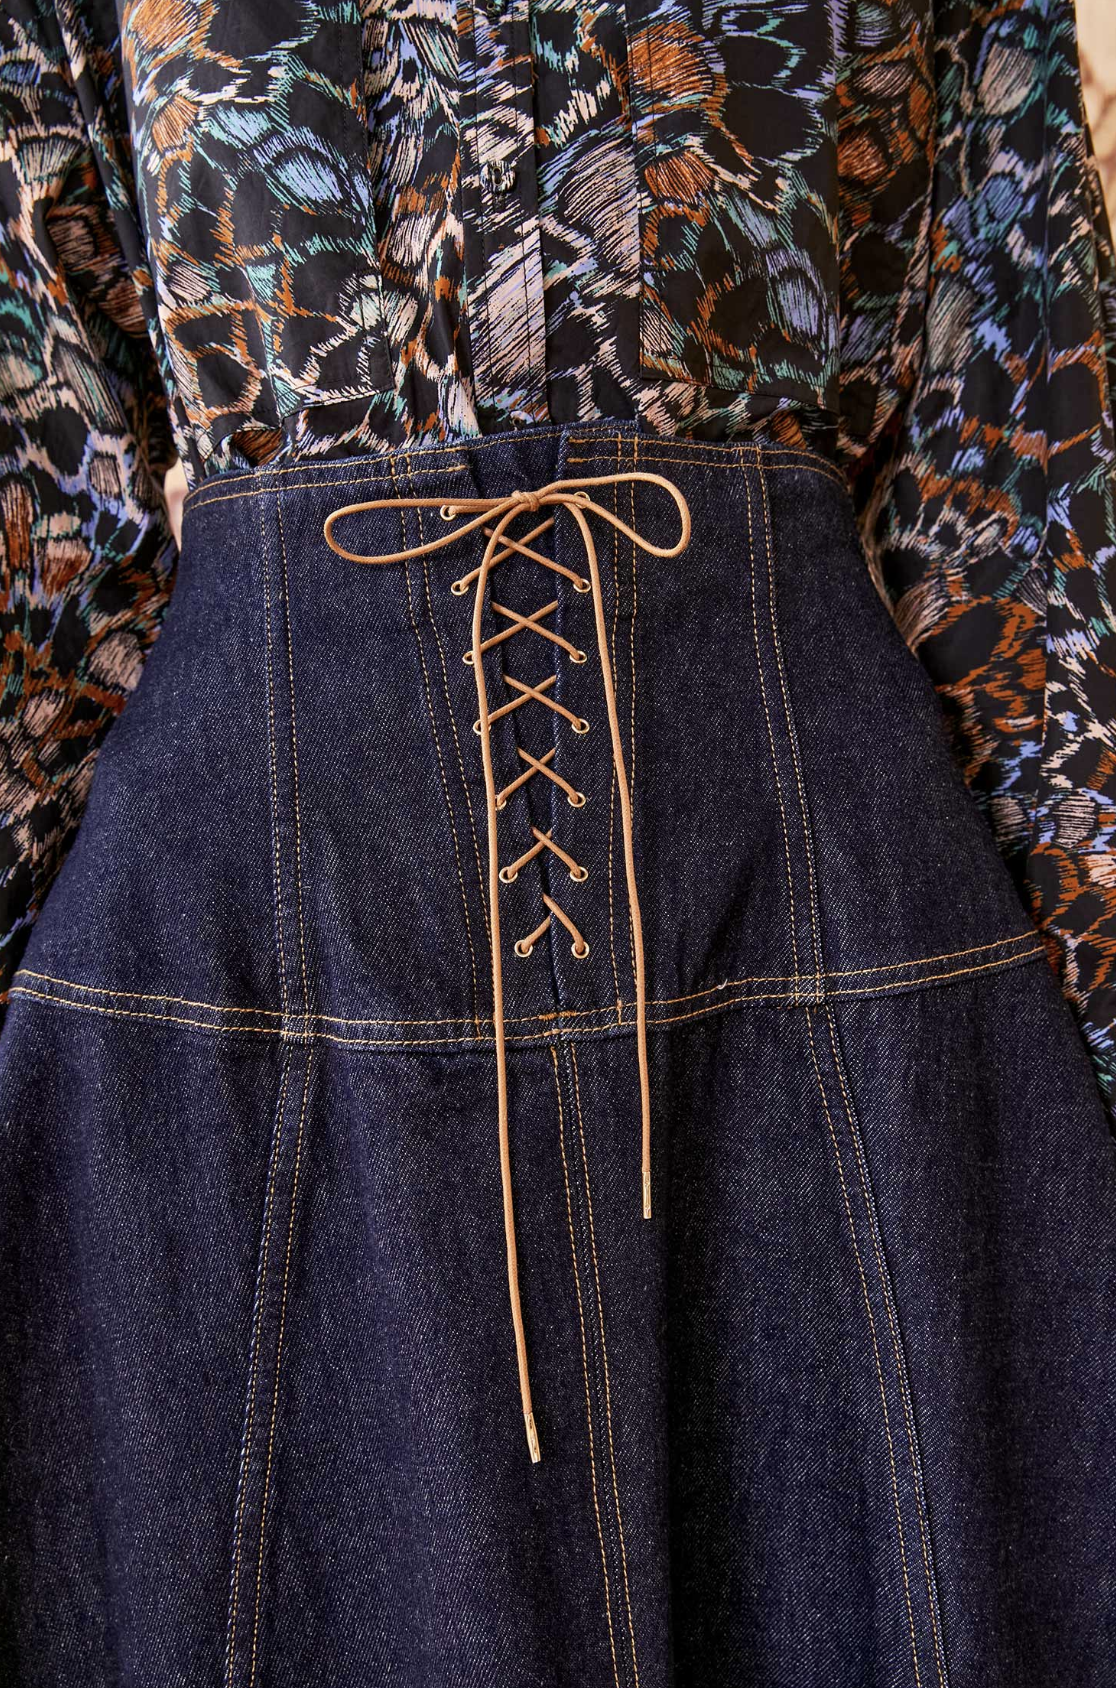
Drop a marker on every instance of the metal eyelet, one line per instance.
(577, 800)
(579, 954)
(508, 876)
(579, 874)
(448, 513)
(477, 728)
(523, 950)
(500, 803)
(578, 656)
(459, 588)
(580, 727)
(467, 658)
(583, 586)
(581, 497)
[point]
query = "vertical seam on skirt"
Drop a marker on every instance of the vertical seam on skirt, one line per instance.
(604, 1357)
(771, 735)
(792, 735)
(442, 773)
(890, 1308)
(279, 1359)
(584, 1364)
(273, 755)
(481, 892)
(875, 1341)
(253, 1371)
(295, 799)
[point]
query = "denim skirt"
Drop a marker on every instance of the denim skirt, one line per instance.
(539, 1147)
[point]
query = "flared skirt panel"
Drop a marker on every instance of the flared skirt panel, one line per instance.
(838, 1414)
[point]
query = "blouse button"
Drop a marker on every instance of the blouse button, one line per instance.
(498, 175)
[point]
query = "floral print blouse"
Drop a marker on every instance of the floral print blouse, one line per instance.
(241, 231)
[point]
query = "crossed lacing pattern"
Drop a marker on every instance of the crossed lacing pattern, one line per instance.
(540, 694)
(494, 516)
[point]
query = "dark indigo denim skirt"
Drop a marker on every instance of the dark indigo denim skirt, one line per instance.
(838, 1414)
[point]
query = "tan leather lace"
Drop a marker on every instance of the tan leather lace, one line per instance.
(494, 516)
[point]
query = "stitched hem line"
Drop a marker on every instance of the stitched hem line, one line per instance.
(264, 1022)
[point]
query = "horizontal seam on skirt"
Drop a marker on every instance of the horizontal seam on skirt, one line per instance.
(680, 447)
(237, 1020)
(795, 981)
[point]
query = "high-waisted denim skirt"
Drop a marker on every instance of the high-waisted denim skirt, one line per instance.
(540, 1147)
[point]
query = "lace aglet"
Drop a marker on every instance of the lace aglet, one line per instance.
(647, 1192)
(532, 1438)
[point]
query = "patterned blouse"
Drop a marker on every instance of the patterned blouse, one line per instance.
(251, 230)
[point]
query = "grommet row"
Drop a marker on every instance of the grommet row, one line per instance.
(580, 727)
(524, 947)
(575, 656)
(538, 693)
(509, 875)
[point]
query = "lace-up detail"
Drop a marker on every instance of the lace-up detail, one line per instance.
(494, 516)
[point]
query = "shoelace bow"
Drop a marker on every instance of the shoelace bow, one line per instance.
(495, 515)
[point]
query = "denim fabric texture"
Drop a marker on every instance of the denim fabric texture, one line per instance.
(839, 1415)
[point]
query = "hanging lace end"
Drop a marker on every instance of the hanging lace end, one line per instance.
(647, 1192)
(532, 1438)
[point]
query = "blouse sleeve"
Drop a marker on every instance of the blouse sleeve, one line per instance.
(85, 553)
(985, 474)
